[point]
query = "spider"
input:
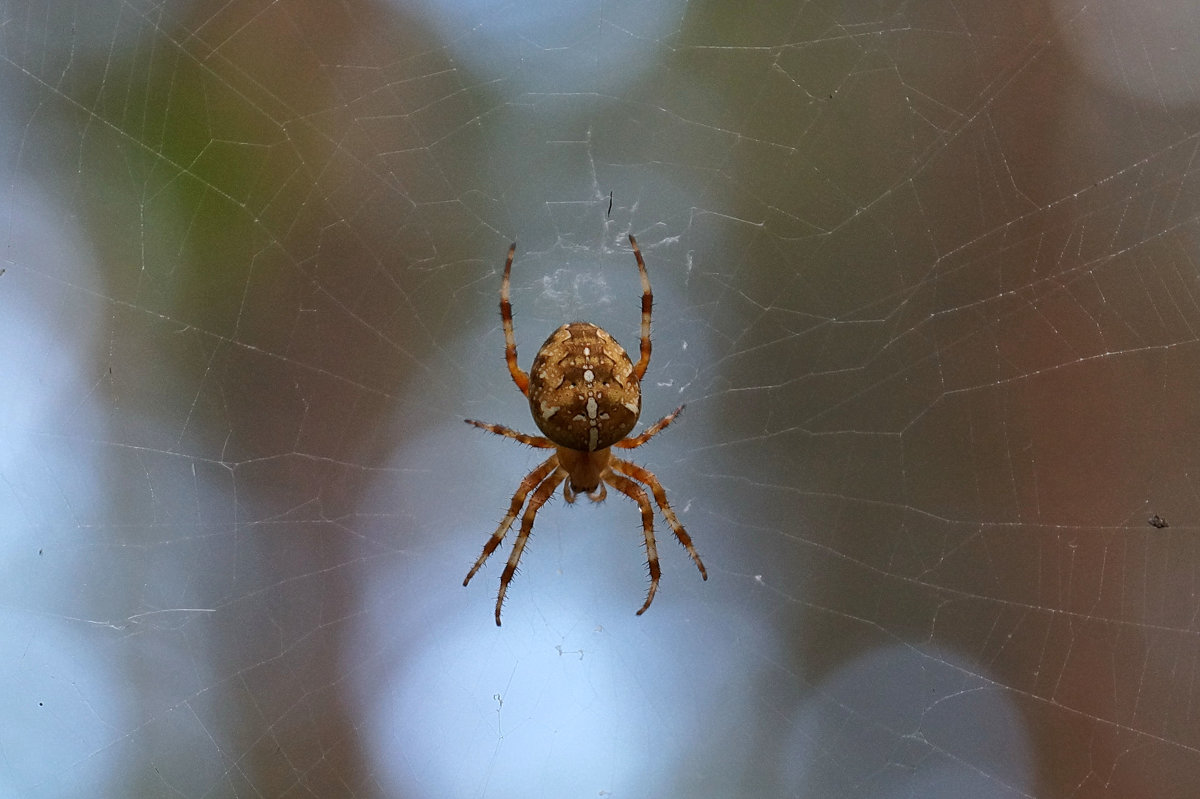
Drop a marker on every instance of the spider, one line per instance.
(585, 394)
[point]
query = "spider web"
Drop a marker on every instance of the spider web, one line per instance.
(925, 275)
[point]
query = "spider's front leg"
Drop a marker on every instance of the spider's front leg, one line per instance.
(635, 492)
(518, 499)
(660, 496)
(543, 493)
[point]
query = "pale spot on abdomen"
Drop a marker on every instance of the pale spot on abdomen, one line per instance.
(584, 395)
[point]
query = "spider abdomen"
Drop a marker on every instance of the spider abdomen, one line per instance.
(582, 389)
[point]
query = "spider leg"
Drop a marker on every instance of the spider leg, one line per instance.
(508, 432)
(638, 495)
(543, 493)
(639, 370)
(650, 432)
(518, 499)
(519, 376)
(660, 496)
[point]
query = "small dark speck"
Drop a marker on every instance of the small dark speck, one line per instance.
(1157, 521)
(41, 704)
(39, 552)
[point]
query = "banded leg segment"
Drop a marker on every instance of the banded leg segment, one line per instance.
(650, 432)
(518, 499)
(639, 369)
(519, 376)
(508, 432)
(660, 496)
(543, 493)
(635, 492)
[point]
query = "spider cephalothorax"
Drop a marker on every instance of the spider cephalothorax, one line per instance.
(585, 394)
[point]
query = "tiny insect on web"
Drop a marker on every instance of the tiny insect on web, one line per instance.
(585, 395)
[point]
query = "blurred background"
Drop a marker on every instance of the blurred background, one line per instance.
(926, 276)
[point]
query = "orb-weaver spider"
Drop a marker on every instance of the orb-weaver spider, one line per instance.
(585, 394)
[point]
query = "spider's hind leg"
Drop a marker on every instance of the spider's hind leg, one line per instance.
(519, 375)
(639, 369)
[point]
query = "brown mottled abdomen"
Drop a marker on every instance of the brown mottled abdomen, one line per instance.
(582, 391)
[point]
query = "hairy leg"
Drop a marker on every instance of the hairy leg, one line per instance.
(518, 499)
(543, 493)
(660, 496)
(508, 432)
(519, 375)
(635, 492)
(650, 432)
(639, 370)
